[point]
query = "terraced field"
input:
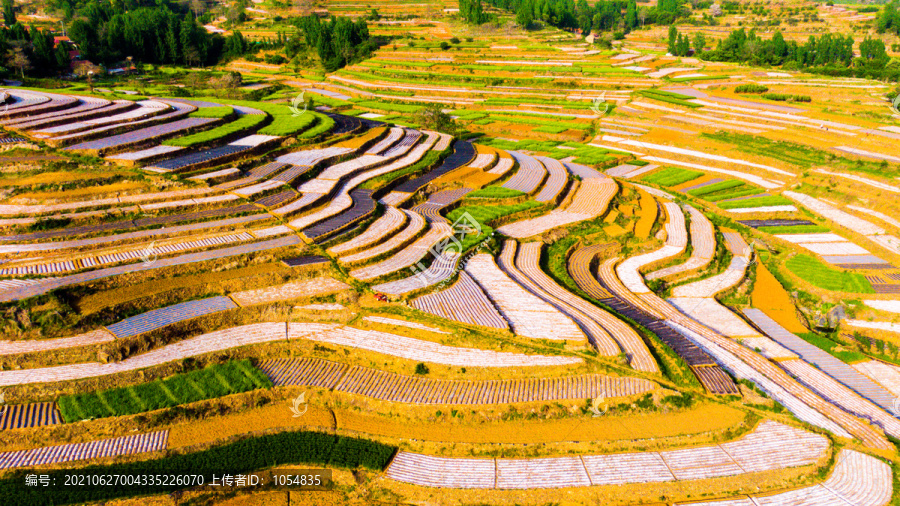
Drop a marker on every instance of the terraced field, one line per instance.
(460, 222)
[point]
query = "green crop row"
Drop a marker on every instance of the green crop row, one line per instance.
(725, 190)
(765, 201)
(207, 383)
(495, 192)
(715, 188)
(795, 229)
(549, 129)
(671, 176)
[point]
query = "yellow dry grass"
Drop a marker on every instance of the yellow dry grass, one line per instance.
(478, 179)
(646, 216)
(614, 230)
(275, 415)
(97, 301)
(82, 192)
(358, 142)
(771, 298)
(706, 418)
(55, 177)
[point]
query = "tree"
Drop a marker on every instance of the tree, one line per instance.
(197, 8)
(61, 54)
(18, 59)
(472, 11)
(524, 16)
(673, 40)
(643, 13)
(699, 43)
(433, 117)
(9, 13)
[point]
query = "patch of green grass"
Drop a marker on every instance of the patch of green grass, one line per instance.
(834, 349)
(795, 229)
(671, 176)
(495, 192)
(549, 129)
(768, 200)
(822, 276)
(789, 152)
(484, 215)
(715, 187)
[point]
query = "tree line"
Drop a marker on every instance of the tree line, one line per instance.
(604, 15)
(339, 42)
(830, 54)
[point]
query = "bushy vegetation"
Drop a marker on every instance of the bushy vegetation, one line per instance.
(784, 97)
(241, 457)
(207, 383)
(822, 276)
(751, 88)
(599, 16)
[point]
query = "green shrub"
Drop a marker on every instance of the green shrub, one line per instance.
(751, 88)
(783, 97)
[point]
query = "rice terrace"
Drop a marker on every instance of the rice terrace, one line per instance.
(450, 252)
